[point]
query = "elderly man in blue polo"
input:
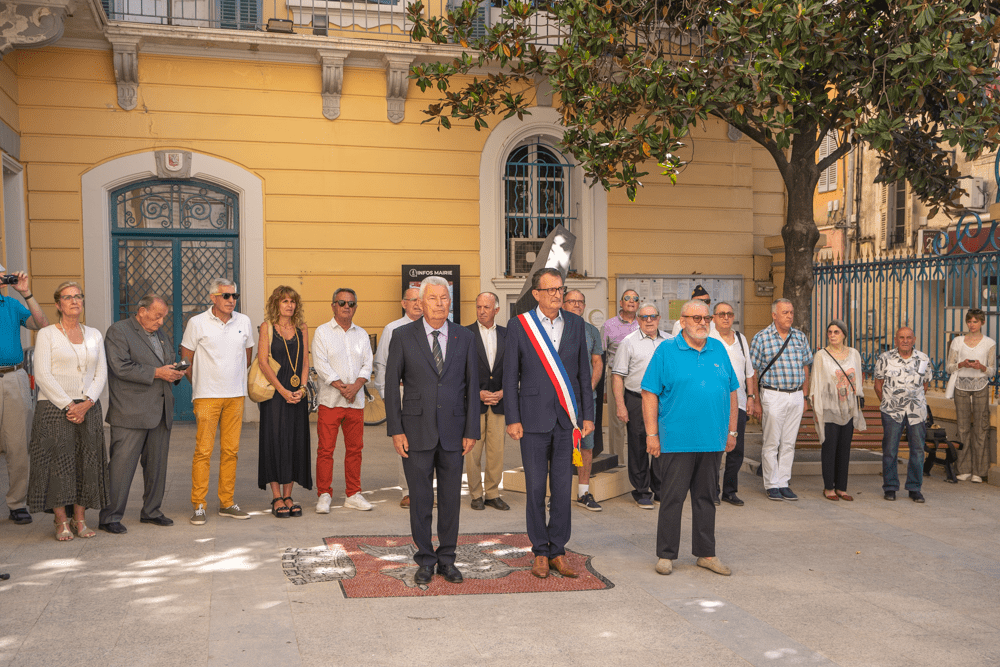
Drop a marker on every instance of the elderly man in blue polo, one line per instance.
(689, 374)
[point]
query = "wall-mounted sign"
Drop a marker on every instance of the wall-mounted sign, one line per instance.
(414, 273)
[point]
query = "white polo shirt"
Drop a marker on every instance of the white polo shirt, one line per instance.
(220, 358)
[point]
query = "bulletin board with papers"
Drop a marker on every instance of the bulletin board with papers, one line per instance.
(669, 293)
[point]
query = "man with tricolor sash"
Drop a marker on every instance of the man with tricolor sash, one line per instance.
(549, 407)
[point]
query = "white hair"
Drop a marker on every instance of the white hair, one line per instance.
(777, 302)
(648, 305)
(431, 280)
(215, 283)
(695, 302)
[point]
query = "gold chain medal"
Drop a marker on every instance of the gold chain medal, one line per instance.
(295, 381)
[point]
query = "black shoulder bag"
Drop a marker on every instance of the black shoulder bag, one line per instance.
(746, 350)
(788, 339)
(861, 399)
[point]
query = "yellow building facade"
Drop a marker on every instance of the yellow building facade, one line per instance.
(316, 144)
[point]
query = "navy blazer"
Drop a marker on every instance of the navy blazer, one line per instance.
(434, 409)
(490, 379)
(529, 397)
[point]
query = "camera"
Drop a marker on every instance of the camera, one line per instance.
(8, 279)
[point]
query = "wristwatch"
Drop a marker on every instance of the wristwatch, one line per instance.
(752, 396)
(735, 434)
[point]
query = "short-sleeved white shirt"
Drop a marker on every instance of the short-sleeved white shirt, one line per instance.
(740, 358)
(220, 358)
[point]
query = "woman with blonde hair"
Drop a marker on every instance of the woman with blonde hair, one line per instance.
(69, 466)
(284, 454)
(972, 360)
(834, 390)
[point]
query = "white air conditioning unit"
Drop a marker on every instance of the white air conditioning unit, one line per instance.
(975, 197)
(523, 253)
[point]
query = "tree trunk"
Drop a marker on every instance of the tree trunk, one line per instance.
(800, 233)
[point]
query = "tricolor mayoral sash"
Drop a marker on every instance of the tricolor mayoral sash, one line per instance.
(557, 374)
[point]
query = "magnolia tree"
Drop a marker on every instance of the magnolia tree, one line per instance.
(910, 79)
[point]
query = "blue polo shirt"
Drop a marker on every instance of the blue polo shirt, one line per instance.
(693, 389)
(13, 315)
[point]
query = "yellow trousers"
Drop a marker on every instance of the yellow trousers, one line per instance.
(210, 414)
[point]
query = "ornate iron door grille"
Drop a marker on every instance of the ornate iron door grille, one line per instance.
(171, 238)
(538, 194)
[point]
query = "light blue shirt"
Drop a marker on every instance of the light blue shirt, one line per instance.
(442, 339)
(552, 328)
(12, 317)
(693, 390)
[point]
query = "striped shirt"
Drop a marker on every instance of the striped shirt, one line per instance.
(788, 371)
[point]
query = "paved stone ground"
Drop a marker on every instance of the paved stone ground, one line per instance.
(814, 583)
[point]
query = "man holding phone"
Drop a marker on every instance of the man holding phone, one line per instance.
(140, 372)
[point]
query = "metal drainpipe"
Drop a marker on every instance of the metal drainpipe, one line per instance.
(858, 180)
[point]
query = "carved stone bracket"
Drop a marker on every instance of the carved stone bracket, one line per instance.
(397, 83)
(333, 80)
(31, 24)
(126, 51)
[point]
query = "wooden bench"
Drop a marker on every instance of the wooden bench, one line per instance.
(870, 438)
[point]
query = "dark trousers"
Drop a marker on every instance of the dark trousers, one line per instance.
(599, 409)
(837, 454)
(548, 456)
(420, 468)
(130, 447)
(734, 459)
(641, 475)
(680, 472)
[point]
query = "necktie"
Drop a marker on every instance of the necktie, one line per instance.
(436, 351)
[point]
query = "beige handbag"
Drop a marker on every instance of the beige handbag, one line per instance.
(258, 388)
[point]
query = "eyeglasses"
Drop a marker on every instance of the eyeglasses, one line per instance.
(648, 317)
(71, 297)
(726, 314)
(552, 291)
(227, 295)
(698, 319)
(574, 302)
(413, 299)
(630, 298)
(349, 304)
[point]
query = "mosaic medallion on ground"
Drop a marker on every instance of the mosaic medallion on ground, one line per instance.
(374, 566)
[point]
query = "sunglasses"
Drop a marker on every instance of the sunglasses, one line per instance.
(228, 295)
(574, 301)
(648, 317)
(349, 304)
(726, 314)
(698, 319)
(630, 298)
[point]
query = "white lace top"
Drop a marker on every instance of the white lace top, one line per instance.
(972, 379)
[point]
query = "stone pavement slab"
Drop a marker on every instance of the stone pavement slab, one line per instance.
(814, 582)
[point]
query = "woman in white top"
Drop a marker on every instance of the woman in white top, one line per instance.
(834, 388)
(972, 359)
(69, 467)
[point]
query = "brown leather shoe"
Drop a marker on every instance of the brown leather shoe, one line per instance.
(560, 565)
(405, 502)
(541, 567)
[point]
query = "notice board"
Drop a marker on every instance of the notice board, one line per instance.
(670, 292)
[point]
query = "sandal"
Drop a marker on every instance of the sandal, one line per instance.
(281, 511)
(63, 534)
(843, 495)
(294, 509)
(829, 496)
(80, 528)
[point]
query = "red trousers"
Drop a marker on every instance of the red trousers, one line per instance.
(329, 422)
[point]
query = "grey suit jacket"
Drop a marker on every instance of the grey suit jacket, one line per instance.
(138, 400)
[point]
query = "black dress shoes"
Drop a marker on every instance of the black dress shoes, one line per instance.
(478, 504)
(158, 521)
(917, 497)
(115, 528)
(424, 574)
(450, 573)
(733, 500)
(498, 503)
(20, 516)
(890, 495)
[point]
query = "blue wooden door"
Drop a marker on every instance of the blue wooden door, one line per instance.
(171, 238)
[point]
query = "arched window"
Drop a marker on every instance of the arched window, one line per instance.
(537, 197)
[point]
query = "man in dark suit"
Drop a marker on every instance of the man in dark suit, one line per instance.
(490, 341)
(141, 370)
(436, 425)
(536, 417)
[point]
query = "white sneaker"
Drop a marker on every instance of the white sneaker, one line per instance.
(323, 504)
(963, 478)
(976, 479)
(358, 502)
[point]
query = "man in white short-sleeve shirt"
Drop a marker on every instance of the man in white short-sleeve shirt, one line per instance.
(219, 345)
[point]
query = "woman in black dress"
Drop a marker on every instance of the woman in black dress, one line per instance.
(284, 453)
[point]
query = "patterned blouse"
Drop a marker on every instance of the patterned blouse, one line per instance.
(903, 388)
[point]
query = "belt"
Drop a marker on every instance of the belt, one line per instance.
(633, 393)
(11, 369)
(784, 391)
